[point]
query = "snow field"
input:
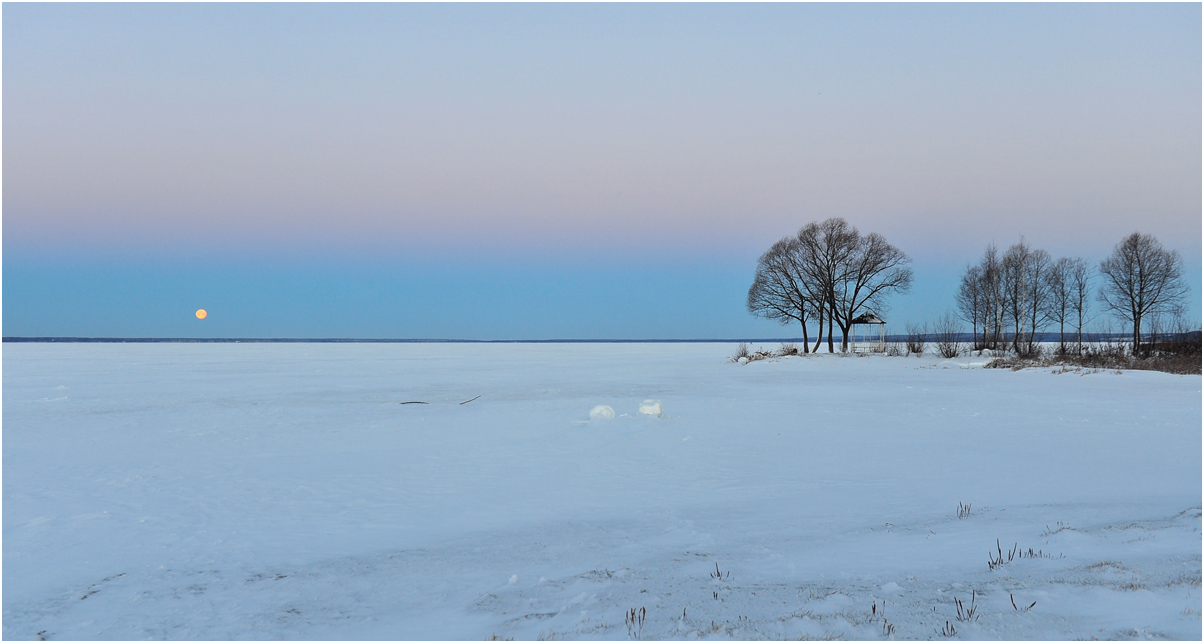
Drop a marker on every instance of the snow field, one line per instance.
(261, 491)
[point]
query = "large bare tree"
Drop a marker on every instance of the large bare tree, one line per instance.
(778, 290)
(830, 272)
(1140, 278)
(872, 271)
(827, 248)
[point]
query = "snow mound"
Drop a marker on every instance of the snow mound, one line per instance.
(652, 407)
(892, 588)
(602, 412)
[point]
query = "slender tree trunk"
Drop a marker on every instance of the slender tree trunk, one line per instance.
(831, 348)
(819, 337)
(1136, 334)
(986, 323)
(806, 342)
(1032, 332)
(974, 326)
(1062, 336)
(1018, 334)
(1080, 331)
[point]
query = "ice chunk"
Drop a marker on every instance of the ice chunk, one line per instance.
(652, 407)
(602, 412)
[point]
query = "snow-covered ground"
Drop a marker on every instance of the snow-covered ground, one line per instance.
(269, 491)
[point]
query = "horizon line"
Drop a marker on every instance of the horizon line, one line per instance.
(371, 340)
(1042, 336)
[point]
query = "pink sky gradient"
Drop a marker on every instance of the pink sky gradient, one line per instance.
(567, 131)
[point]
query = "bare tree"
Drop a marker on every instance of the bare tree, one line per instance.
(970, 299)
(916, 338)
(992, 288)
(1025, 291)
(827, 271)
(1038, 296)
(777, 291)
(947, 334)
(1180, 327)
(1067, 290)
(1079, 277)
(1014, 291)
(827, 250)
(1061, 295)
(1141, 277)
(1068, 282)
(872, 271)
(981, 298)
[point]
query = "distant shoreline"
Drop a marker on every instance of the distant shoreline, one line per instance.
(965, 337)
(338, 340)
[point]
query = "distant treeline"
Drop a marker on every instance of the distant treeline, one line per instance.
(1009, 298)
(1040, 337)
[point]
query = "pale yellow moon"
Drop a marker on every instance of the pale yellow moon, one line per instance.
(200, 314)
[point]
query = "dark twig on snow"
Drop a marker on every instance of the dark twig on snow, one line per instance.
(413, 402)
(997, 560)
(635, 622)
(967, 615)
(1019, 609)
(467, 401)
(717, 575)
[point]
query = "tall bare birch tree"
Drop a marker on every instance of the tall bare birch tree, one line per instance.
(1025, 291)
(992, 288)
(1037, 282)
(969, 300)
(1060, 296)
(1080, 283)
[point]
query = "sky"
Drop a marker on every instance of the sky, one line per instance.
(456, 171)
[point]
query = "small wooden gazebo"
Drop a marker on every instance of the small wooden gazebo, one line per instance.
(870, 331)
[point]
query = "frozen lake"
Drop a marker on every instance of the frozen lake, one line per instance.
(267, 491)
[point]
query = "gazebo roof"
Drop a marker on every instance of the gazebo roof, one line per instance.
(868, 318)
